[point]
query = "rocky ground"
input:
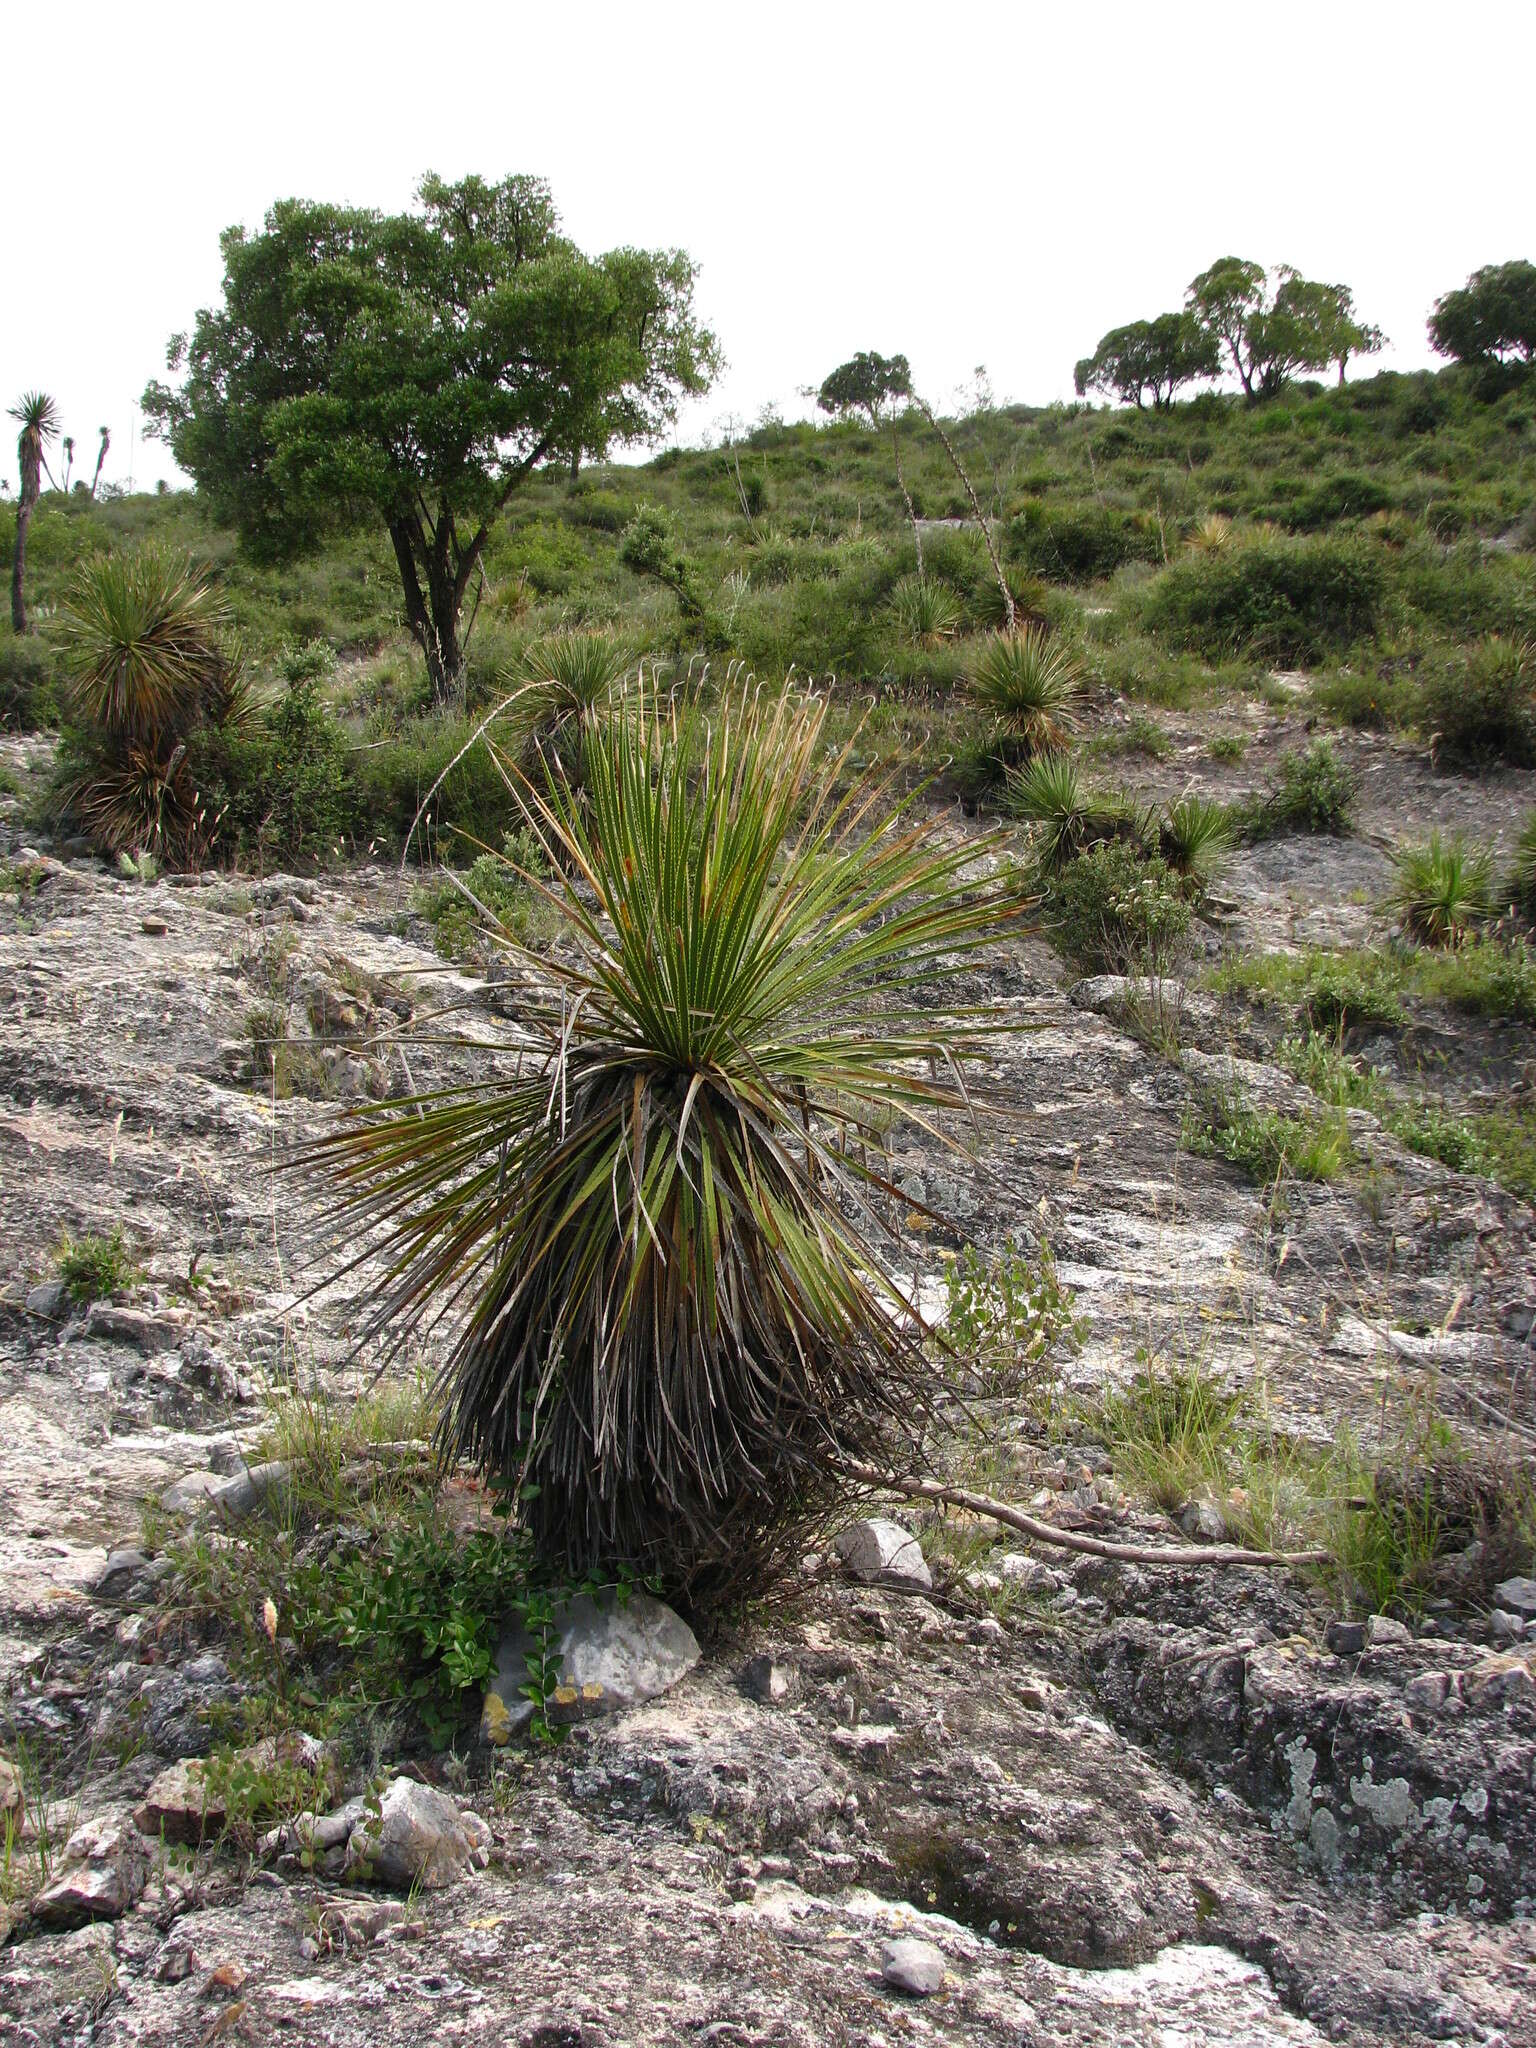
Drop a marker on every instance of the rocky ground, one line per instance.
(1134, 1805)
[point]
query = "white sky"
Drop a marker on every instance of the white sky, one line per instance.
(969, 183)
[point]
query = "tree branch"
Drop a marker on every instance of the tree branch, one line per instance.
(1068, 1539)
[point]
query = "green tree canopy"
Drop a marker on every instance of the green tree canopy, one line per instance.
(1149, 355)
(416, 368)
(1489, 319)
(1270, 330)
(866, 383)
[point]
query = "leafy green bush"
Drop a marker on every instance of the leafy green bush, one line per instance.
(1343, 495)
(1290, 601)
(29, 697)
(1483, 707)
(1118, 909)
(1310, 791)
(95, 1268)
(1080, 544)
(280, 789)
(1268, 1144)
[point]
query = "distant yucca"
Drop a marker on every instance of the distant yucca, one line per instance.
(1195, 834)
(1211, 535)
(924, 611)
(1444, 889)
(563, 677)
(1029, 681)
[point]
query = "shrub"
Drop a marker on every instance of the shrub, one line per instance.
(1029, 682)
(28, 698)
(1080, 544)
(1342, 496)
(678, 1326)
(1117, 909)
(94, 1268)
(1310, 791)
(1339, 994)
(1287, 600)
(1443, 891)
(1266, 1143)
(1484, 708)
(280, 789)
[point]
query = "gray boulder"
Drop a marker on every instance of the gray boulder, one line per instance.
(1519, 1596)
(880, 1552)
(611, 1654)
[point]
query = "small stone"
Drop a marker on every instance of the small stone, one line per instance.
(1028, 1574)
(1382, 1633)
(916, 1967)
(1519, 1596)
(193, 1490)
(120, 1569)
(1345, 1638)
(49, 1299)
(178, 1806)
(245, 1490)
(1499, 1681)
(765, 1678)
(1202, 1521)
(104, 1870)
(1427, 1693)
(176, 1962)
(114, 1324)
(153, 927)
(880, 1551)
(1505, 1627)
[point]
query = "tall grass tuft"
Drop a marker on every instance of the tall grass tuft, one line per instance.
(663, 1234)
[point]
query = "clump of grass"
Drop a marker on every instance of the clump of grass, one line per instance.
(924, 611)
(1169, 1432)
(95, 1268)
(1522, 873)
(1227, 746)
(661, 1236)
(1268, 1144)
(1333, 993)
(1139, 735)
(1443, 891)
(1029, 682)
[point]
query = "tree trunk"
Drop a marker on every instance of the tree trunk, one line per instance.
(435, 629)
(19, 565)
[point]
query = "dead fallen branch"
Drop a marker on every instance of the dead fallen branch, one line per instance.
(1067, 1539)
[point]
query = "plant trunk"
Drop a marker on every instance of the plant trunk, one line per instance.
(917, 536)
(19, 564)
(431, 618)
(1009, 614)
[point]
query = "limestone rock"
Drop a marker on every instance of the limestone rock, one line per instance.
(104, 1872)
(148, 1333)
(611, 1654)
(913, 1966)
(1519, 1596)
(881, 1552)
(1382, 1633)
(1202, 1521)
(1028, 1574)
(419, 1836)
(49, 1299)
